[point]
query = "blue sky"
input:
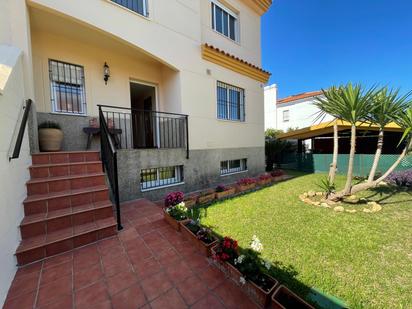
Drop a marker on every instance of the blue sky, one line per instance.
(312, 44)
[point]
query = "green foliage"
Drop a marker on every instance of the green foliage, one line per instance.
(327, 186)
(49, 125)
(272, 133)
(178, 212)
(275, 150)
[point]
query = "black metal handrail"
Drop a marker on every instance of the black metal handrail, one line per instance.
(20, 134)
(109, 161)
(147, 128)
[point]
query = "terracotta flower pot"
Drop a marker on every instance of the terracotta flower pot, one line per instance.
(172, 221)
(50, 139)
(264, 182)
(277, 178)
(260, 296)
(225, 194)
(243, 188)
(206, 198)
(203, 247)
(284, 298)
(190, 201)
(228, 269)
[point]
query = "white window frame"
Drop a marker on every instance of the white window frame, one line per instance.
(242, 107)
(53, 89)
(231, 171)
(145, 8)
(286, 115)
(156, 184)
(215, 3)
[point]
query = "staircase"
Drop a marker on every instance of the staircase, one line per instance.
(67, 206)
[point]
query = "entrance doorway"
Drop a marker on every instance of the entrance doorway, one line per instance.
(143, 103)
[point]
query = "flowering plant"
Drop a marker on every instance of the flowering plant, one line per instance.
(252, 267)
(277, 173)
(174, 198)
(178, 212)
(246, 181)
(226, 250)
(221, 188)
(401, 178)
(265, 177)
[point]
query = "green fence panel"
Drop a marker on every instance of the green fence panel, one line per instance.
(319, 163)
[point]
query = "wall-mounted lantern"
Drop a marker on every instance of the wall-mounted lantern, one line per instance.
(106, 73)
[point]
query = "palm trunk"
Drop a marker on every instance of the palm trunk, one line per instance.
(377, 156)
(367, 185)
(333, 166)
(349, 175)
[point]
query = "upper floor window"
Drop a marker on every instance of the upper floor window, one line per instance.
(230, 102)
(225, 21)
(286, 115)
(67, 88)
(138, 6)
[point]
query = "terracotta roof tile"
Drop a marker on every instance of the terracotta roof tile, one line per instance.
(299, 96)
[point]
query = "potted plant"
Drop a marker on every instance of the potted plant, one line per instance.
(222, 191)
(255, 279)
(264, 179)
(224, 254)
(202, 237)
(175, 214)
(174, 198)
(284, 298)
(246, 184)
(206, 197)
(277, 175)
(190, 200)
(50, 136)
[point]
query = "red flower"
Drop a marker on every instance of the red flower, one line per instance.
(225, 256)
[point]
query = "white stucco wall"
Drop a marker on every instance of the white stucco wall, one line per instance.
(302, 113)
(15, 173)
(270, 98)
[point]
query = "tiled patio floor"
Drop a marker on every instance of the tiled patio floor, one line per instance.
(147, 265)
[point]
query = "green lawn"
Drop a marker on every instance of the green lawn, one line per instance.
(363, 259)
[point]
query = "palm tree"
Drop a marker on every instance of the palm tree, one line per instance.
(404, 120)
(326, 107)
(350, 103)
(387, 104)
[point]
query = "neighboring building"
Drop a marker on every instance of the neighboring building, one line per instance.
(293, 112)
(179, 82)
(270, 106)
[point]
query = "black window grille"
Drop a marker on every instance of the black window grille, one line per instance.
(158, 177)
(67, 88)
(233, 166)
(224, 21)
(230, 102)
(138, 6)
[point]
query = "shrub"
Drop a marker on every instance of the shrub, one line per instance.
(265, 177)
(174, 198)
(178, 212)
(246, 181)
(226, 250)
(277, 173)
(401, 178)
(49, 125)
(221, 188)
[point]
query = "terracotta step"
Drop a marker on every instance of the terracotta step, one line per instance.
(39, 224)
(49, 244)
(64, 183)
(44, 203)
(65, 169)
(65, 157)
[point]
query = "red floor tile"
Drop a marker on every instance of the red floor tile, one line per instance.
(192, 289)
(89, 296)
(23, 285)
(212, 277)
(25, 301)
(232, 296)
(54, 290)
(146, 268)
(121, 281)
(132, 297)
(178, 272)
(65, 302)
(170, 300)
(156, 285)
(208, 302)
(87, 276)
(51, 274)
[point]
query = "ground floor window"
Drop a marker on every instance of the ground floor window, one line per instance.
(67, 88)
(233, 166)
(158, 177)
